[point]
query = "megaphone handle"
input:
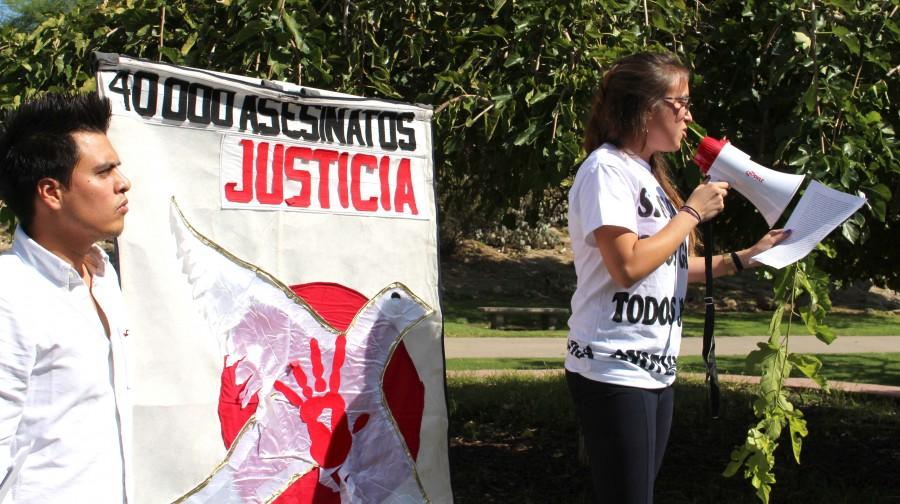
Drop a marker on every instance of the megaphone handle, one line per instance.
(709, 341)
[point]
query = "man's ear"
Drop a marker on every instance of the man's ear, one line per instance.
(49, 193)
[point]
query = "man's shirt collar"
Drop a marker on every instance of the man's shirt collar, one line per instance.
(58, 271)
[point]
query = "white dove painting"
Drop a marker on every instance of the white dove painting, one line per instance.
(323, 430)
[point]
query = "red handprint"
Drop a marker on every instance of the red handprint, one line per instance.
(330, 443)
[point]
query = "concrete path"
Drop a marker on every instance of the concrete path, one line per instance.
(725, 345)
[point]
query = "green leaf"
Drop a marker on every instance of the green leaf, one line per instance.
(879, 208)
(498, 4)
(527, 135)
(775, 324)
(798, 430)
(775, 367)
(802, 39)
(170, 54)
(883, 191)
(291, 25)
(850, 231)
(738, 456)
(492, 31)
(872, 117)
(810, 366)
(849, 177)
(809, 319)
(840, 31)
(89, 86)
(38, 45)
(756, 357)
(809, 98)
(251, 29)
(535, 98)
(847, 37)
(825, 334)
(7, 219)
(513, 60)
(848, 6)
(697, 129)
(189, 43)
(785, 276)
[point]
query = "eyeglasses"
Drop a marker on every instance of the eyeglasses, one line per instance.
(685, 102)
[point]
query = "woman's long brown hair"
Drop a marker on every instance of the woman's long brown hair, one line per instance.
(632, 87)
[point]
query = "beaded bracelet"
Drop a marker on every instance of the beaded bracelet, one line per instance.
(691, 212)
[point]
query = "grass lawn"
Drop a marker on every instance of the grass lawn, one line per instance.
(467, 321)
(513, 439)
(879, 368)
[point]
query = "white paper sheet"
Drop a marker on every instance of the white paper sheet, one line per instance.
(820, 210)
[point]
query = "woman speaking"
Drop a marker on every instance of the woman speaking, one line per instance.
(632, 235)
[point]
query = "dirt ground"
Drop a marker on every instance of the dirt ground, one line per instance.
(547, 278)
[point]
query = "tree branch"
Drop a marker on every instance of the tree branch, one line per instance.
(455, 99)
(162, 31)
(815, 65)
(485, 111)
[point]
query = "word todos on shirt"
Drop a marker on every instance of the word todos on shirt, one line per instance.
(647, 310)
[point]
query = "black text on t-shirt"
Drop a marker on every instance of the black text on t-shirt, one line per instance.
(647, 310)
(647, 208)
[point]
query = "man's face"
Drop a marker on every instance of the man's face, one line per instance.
(94, 205)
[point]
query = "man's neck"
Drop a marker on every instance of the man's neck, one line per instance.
(70, 250)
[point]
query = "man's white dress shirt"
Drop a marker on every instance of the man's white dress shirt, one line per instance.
(64, 416)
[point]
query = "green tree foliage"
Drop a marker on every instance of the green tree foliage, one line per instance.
(811, 87)
(801, 86)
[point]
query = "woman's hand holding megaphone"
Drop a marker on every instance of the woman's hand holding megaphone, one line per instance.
(708, 199)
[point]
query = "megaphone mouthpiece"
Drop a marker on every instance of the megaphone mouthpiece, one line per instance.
(707, 152)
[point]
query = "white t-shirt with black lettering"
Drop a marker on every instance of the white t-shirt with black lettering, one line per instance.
(616, 335)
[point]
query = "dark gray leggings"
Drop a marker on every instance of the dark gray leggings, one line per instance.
(625, 432)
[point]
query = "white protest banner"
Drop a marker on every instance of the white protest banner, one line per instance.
(287, 305)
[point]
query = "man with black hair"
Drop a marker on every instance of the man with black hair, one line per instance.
(64, 415)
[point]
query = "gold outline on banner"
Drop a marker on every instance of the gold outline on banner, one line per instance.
(261, 273)
(293, 479)
(270, 279)
(390, 414)
(397, 432)
(246, 428)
